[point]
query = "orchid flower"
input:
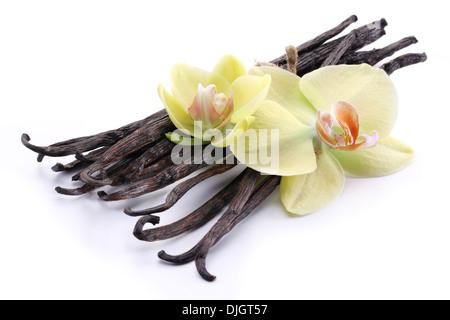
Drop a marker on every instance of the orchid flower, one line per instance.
(215, 105)
(334, 121)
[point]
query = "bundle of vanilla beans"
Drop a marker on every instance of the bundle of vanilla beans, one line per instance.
(138, 156)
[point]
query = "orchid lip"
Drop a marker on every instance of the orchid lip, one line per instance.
(212, 109)
(339, 129)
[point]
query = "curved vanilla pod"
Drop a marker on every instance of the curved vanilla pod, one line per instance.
(194, 220)
(145, 135)
(181, 189)
(242, 192)
(80, 159)
(222, 227)
(88, 143)
(114, 171)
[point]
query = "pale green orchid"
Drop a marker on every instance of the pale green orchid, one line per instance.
(215, 105)
(319, 119)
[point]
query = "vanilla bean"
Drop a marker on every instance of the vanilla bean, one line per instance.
(86, 188)
(376, 55)
(59, 167)
(89, 143)
(140, 138)
(76, 177)
(161, 165)
(246, 187)
(318, 41)
(154, 220)
(87, 159)
(196, 219)
(183, 258)
(403, 61)
(72, 143)
(364, 35)
(340, 50)
(160, 181)
(157, 151)
(115, 171)
(263, 191)
(180, 190)
(157, 182)
(82, 158)
(173, 173)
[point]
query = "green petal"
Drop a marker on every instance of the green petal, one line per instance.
(231, 135)
(248, 92)
(368, 88)
(176, 112)
(389, 156)
(184, 80)
(276, 143)
(308, 193)
(284, 89)
(230, 68)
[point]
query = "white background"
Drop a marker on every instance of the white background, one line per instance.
(74, 68)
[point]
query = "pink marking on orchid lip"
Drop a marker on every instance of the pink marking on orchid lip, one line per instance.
(339, 129)
(212, 109)
(371, 141)
(340, 140)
